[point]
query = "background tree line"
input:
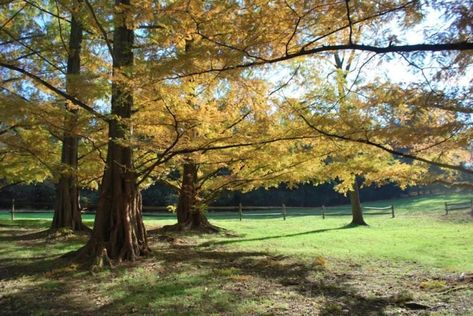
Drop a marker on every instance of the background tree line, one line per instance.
(42, 195)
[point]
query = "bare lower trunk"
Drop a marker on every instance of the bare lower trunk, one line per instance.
(356, 210)
(119, 232)
(190, 215)
(67, 208)
(119, 226)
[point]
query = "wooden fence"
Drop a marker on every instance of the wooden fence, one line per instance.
(458, 206)
(239, 211)
(382, 209)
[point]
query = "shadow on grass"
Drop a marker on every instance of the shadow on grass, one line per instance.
(183, 281)
(12, 268)
(457, 217)
(25, 223)
(26, 253)
(34, 258)
(186, 281)
(43, 298)
(13, 235)
(317, 231)
(281, 274)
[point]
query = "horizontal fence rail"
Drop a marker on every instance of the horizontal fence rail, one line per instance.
(247, 211)
(386, 209)
(458, 206)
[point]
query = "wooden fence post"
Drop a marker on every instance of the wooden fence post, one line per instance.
(392, 211)
(240, 211)
(284, 211)
(12, 215)
(446, 208)
(323, 211)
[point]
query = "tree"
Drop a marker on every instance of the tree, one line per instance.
(119, 232)
(204, 177)
(342, 69)
(327, 101)
(284, 31)
(214, 126)
(356, 209)
(42, 51)
(67, 213)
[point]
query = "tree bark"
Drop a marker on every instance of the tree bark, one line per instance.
(119, 232)
(67, 208)
(189, 213)
(187, 194)
(356, 210)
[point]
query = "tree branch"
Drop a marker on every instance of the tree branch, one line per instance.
(461, 184)
(55, 90)
(387, 149)
(459, 46)
(100, 27)
(350, 23)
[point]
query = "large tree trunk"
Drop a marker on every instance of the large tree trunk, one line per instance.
(66, 208)
(356, 210)
(119, 231)
(189, 213)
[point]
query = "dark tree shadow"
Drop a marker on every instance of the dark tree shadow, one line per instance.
(294, 276)
(13, 235)
(317, 231)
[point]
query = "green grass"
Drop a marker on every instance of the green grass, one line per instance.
(419, 234)
(431, 242)
(262, 265)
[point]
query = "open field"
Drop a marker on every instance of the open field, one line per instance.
(420, 262)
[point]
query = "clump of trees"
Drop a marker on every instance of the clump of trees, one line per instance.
(235, 94)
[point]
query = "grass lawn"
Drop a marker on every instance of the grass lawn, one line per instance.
(420, 262)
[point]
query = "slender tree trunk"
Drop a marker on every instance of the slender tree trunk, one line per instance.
(188, 194)
(119, 232)
(189, 213)
(67, 208)
(356, 210)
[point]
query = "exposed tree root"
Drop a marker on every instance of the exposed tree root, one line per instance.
(203, 228)
(99, 262)
(93, 257)
(357, 223)
(65, 233)
(190, 217)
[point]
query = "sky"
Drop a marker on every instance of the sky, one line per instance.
(393, 67)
